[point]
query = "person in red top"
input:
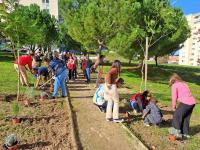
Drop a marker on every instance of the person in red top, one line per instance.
(139, 101)
(70, 66)
(23, 61)
(111, 93)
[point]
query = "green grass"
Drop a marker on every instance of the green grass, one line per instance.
(8, 75)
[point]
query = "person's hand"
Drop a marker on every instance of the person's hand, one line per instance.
(174, 109)
(142, 117)
(32, 71)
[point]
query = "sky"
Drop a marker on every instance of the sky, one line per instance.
(188, 6)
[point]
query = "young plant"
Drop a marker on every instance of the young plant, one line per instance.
(15, 109)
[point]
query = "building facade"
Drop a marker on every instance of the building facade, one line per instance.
(189, 54)
(50, 5)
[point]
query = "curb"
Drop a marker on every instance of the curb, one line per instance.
(138, 144)
(74, 142)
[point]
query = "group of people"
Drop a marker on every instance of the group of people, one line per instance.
(61, 67)
(57, 69)
(106, 98)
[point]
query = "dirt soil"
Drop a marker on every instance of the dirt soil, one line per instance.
(44, 125)
(94, 132)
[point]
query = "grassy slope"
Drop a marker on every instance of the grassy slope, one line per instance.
(158, 78)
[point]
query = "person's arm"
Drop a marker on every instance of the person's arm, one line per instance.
(109, 77)
(174, 96)
(146, 111)
(30, 64)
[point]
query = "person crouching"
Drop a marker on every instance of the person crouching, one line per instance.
(152, 114)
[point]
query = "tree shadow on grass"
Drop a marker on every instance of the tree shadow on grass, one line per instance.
(195, 129)
(34, 145)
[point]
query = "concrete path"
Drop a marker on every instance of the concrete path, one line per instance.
(93, 132)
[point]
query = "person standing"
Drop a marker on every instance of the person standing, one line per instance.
(37, 59)
(70, 66)
(111, 93)
(59, 71)
(21, 67)
(182, 113)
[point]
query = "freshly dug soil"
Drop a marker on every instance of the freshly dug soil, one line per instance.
(44, 125)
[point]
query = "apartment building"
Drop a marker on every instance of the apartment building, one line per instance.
(50, 5)
(190, 53)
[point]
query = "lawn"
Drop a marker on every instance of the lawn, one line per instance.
(8, 78)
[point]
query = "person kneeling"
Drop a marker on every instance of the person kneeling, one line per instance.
(139, 101)
(152, 114)
(98, 98)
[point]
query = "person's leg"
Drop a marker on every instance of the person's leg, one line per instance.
(88, 74)
(134, 105)
(110, 103)
(56, 86)
(19, 74)
(24, 74)
(178, 117)
(62, 82)
(70, 74)
(186, 120)
(116, 102)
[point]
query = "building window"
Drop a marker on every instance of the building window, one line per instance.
(45, 4)
(45, 1)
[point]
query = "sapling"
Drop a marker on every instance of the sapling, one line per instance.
(15, 109)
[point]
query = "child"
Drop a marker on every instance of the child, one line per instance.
(152, 114)
(139, 101)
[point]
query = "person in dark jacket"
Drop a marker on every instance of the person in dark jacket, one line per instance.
(59, 71)
(152, 114)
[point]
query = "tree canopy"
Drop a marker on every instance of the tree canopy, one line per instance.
(28, 25)
(123, 25)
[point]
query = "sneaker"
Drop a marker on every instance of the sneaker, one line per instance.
(52, 98)
(64, 96)
(100, 109)
(118, 120)
(186, 136)
(179, 136)
(146, 124)
(108, 119)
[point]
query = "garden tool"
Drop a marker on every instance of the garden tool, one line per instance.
(47, 82)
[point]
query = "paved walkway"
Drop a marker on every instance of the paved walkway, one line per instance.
(94, 132)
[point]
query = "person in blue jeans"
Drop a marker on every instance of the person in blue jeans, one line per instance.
(88, 70)
(59, 71)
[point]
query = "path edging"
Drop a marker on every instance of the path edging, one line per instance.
(139, 145)
(74, 142)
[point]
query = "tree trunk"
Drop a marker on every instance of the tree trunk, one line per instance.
(129, 62)
(18, 87)
(156, 60)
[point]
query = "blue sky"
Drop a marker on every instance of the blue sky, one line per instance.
(188, 6)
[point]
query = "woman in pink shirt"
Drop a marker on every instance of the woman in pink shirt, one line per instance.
(182, 113)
